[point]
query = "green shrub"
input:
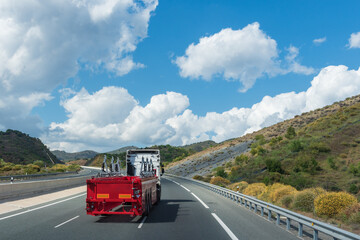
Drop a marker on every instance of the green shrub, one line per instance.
(273, 165)
(290, 133)
(320, 147)
(39, 163)
(353, 188)
(296, 146)
(220, 172)
(239, 160)
(331, 163)
(307, 164)
(304, 200)
(287, 201)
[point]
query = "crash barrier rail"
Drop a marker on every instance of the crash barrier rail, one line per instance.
(18, 189)
(256, 205)
(30, 176)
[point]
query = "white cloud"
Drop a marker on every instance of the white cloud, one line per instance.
(354, 40)
(112, 117)
(43, 44)
(243, 55)
(319, 41)
(293, 65)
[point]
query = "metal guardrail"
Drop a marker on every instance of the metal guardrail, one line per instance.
(256, 205)
(29, 176)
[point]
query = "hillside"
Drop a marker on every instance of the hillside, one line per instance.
(168, 153)
(64, 156)
(19, 148)
(323, 150)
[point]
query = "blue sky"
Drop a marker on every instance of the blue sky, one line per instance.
(105, 74)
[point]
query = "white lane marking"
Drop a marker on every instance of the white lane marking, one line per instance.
(142, 222)
(185, 188)
(227, 230)
(206, 206)
(48, 205)
(66, 221)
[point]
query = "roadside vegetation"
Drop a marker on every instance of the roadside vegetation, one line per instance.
(37, 167)
(313, 169)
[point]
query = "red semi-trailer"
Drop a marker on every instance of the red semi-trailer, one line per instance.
(132, 194)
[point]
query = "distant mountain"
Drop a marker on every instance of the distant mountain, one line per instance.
(19, 148)
(121, 150)
(64, 156)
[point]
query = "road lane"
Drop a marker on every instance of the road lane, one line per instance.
(178, 216)
(242, 222)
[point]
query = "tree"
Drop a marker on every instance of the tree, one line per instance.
(290, 133)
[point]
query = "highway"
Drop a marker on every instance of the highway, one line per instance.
(83, 172)
(186, 211)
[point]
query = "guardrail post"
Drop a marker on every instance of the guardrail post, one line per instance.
(288, 224)
(250, 205)
(255, 208)
(300, 232)
(262, 211)
(269, 214)
(277, 218)
(245, 204)
(316, 233)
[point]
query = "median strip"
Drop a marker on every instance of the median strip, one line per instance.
(66, 221)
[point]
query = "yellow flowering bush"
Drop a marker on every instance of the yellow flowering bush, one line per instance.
(279, 193)
(330, 204)
(255, 189)
(222, 182)
(265, 195)
(239, 186)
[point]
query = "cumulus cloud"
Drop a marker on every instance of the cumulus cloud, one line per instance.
(242, 55)
(354, 40)
(319, 41)
(42, 44)
(112, 117)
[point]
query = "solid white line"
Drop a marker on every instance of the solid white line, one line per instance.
(206, 206)
(48, 205)
(227, 230)
(142, 222)
(66, 222)
(185, 188)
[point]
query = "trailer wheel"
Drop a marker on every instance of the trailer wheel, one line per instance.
(146, 208)
(158, 194)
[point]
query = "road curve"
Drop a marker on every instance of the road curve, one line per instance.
(186, 211)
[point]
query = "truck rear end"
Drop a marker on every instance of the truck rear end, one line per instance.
(126, 195)
(134, 194)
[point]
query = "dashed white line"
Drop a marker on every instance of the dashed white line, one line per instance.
(185, 188)
(227, 230)
(48, 205)
(206, 206)
(66, 222)
(142, 222)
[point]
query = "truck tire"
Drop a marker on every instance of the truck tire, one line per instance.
(146, 207)
(158, 194)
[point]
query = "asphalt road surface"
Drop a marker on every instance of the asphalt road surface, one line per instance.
(186, 211)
